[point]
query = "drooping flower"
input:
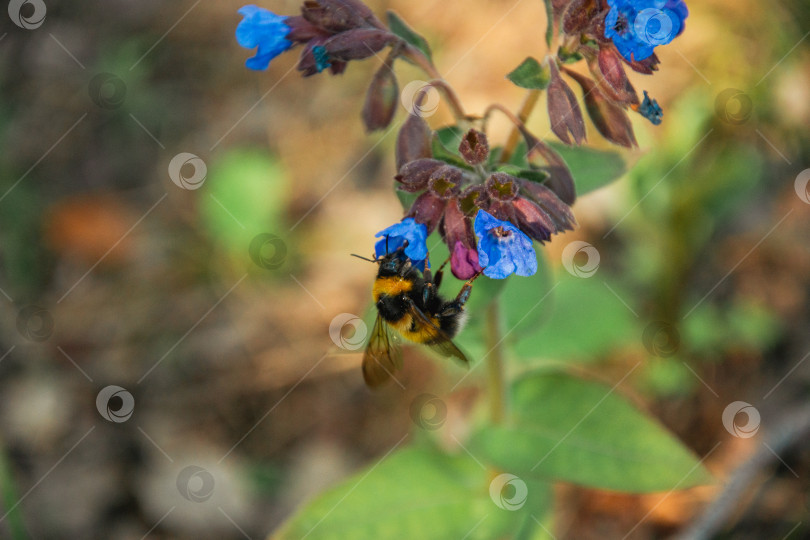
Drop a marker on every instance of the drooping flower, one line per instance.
(395, 236)
(502, 248)
(263, 29)
(636, 27)
(333, 32)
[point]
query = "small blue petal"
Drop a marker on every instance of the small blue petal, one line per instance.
(505, 251)
(263, 29)
(636, 27)
(650, 109)
(394, 237)
(321, 58)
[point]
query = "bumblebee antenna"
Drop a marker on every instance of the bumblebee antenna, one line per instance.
(364, 258)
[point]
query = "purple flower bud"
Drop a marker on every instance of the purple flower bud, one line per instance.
(413, 141)
(533, 220)
(428, 210)
(338, 15)
(445, 182)
(611, 77)
(413, 176)
(464, 261)
(474, 147)
(456, 226)
(502, 187)
(559, 212)
(358, 44)
(381, 99)
(563, 109)
(610, 119)
(560, 180)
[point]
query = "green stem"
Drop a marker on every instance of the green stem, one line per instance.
(423, 62)
(8, 493)
(495, 379)
(526, 109)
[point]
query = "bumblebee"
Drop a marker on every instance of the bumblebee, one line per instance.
(408, 301)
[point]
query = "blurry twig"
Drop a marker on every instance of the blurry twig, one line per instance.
(793, 427)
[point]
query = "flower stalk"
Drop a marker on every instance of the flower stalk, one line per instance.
(495, 362)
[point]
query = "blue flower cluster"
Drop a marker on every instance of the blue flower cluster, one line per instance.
(636, 27)
(503, 249)
(263, 29)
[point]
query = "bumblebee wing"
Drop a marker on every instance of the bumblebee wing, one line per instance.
(382, 357)
(440, 342)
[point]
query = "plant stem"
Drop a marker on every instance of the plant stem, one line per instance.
(423, 62)
(9, 497)
(495, 379)
(523, 114)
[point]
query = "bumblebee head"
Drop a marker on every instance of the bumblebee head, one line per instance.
(391, 263)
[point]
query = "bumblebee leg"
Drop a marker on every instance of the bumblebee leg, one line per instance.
(430, 285)
(440, 273)
(463, 295)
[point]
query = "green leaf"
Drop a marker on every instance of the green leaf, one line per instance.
(582, 321)
(414, 493)
(401, 29)
(244, 194)
(591, 169)
(565, 428)
(549, 22)
(530, 74)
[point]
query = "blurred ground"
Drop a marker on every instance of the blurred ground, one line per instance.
(225, 350)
